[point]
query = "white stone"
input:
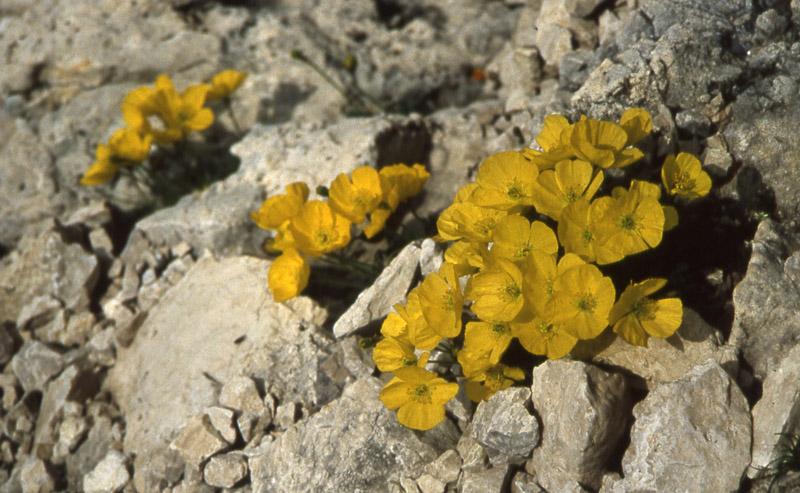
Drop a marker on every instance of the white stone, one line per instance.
(109, 476)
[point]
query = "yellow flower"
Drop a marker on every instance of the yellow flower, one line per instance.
(602, 144)
(570, 181)
(505, 181)
(420, 333)
(419, 397)
(684, 176)
(394, 326)
(490, 338)
(497, 291)
(540, 335)
(355, 199)
(554, 141)
(377, 220)
(137, 107)
(494, 379)
(441, 301)
(467, 220)
(466, 256)
(180, 113)
(279, 209)
(224, 83)
(575, 233)
(402, 182)
(288, 275)
(125, 148)
(637, 124)
(540, 273)
(629, 222)
(515, 238)
(635, 316)
(582, 299)
(317, 229)
(392, 353)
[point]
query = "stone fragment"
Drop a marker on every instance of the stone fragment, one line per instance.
(222, 420)
(31, 274)
(198, 441)
(472, 453)
(34, 364)
(27, 183)
(109, 476)
(489, 480)
(34, 477)
(389, 288)
(503, 424)
(698, 423)
(766, 302)
(522, 482)
(94, 215)
(429, 484)
(40, 311)
(78, 329)
(554, 43)
(70, 432)
(581, 8)
(663, 360)
(240, 393)
(159, 470)
(130, 284)
(98, 442)
(446, 467)
(159, 384)
(18, 422)
(225, 470)
(777, 414)
(378, 448)
(102, 246)
(286, 415)
(582, 409)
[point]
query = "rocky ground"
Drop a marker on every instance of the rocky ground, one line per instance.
(141, 350)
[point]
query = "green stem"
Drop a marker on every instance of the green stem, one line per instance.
(299, 55)
(229, 108)
(369, 269)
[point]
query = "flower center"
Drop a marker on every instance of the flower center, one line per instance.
(420, 393)
(586, 303)
(546, 330)
(627, 223)
(683, 181)
(513, 291)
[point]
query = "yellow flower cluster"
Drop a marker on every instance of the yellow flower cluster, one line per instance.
(536, 280)
(317, 227)
(159, 115)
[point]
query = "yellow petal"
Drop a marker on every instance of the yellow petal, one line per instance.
(288, 275)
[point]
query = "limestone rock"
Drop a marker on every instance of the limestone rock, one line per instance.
(766, 302)
(27, 179)
(34, 477)
(698, 423)
(581, 407)
(159, 382)
(35, 363)
(240, 393)
(503, 424)
(389, 288)
(490, 480)
(32, 273)
(446, 467)
(663, 360)
(310, 455)
(225, 470)
(777, 412)
(198, 441)
(222, 420)
(109, 476)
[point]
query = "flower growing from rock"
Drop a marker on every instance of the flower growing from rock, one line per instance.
(571, 181)
(419, 397)
(582, 299)
(505, 180)
(317, 229)
(636, 316)
(288, 275)
(355, 198)
(224, 84)
(515, 238)
(684, 176)
(441, 301)
(125, 148)
(497, 291)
